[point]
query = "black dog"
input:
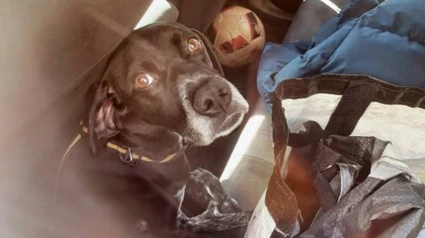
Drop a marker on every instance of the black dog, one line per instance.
(162, 91)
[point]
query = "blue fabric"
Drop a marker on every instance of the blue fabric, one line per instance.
(383, 40)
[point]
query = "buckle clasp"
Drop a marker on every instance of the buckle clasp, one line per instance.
(128, 157)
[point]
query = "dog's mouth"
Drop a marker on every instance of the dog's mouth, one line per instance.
(202, 130)
(233, 120)
(199, 138)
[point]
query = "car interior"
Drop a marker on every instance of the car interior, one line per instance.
(52, 51)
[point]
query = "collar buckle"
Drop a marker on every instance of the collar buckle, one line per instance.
(128, 157)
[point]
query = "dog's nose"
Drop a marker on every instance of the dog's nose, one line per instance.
(212, 98)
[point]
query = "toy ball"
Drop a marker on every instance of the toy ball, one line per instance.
(237, 35)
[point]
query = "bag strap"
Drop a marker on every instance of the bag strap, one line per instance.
(354, 102)
(285, 214)
(356, 98)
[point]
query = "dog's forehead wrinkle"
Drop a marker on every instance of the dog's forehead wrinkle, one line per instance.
(155, 68)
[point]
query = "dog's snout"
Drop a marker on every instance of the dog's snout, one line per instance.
(212, 98)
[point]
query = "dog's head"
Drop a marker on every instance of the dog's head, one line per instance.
(166, 76)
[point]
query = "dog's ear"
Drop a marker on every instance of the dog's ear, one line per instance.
(105, 113)
(210, 50)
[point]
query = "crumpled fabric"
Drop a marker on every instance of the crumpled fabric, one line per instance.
(382, 39)
(384, 204)
(375, 208)
(337, 195)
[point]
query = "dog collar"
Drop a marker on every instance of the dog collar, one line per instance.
(127, 156)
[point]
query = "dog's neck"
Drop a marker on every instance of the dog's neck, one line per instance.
(149, 140)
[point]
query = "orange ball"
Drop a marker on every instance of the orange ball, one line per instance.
(238, 36)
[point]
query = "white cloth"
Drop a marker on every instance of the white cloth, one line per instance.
(402, 126)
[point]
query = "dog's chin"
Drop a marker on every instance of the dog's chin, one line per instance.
(230, 124)
(212, 129)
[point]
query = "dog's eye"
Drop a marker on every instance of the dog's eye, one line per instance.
(193, 44)
(143, 81)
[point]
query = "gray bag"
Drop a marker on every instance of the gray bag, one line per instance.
(330, 183)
